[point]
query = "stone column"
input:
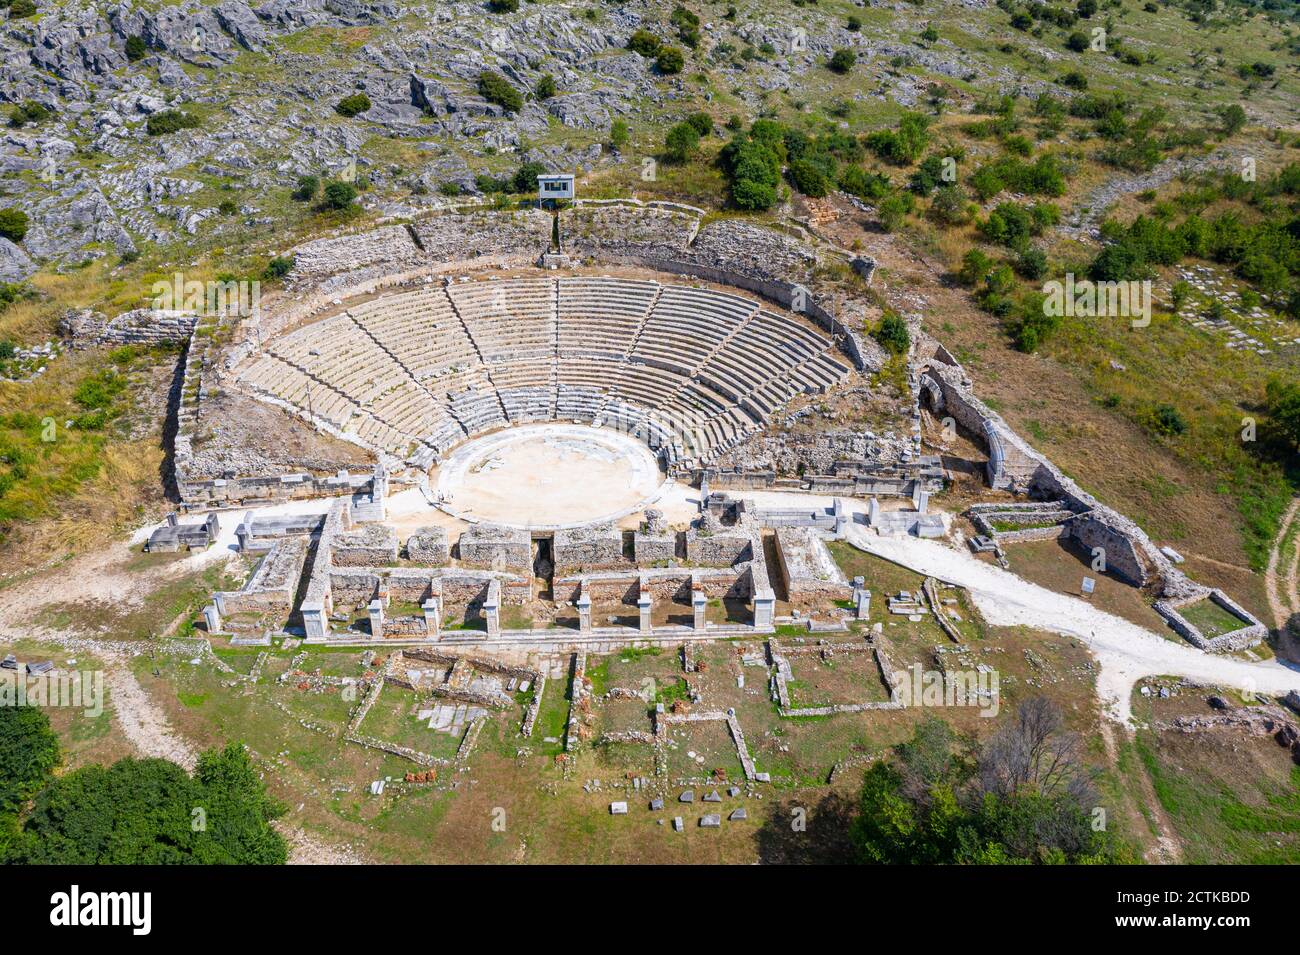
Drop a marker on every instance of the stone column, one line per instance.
(841, 518)
(861, 598)
(492, 608)
(244, 532)
(212, 617)
(584, 611)
(376, 619)
(643, 605)
(764, 607)
(922, 500)
(699, 604)
(313, 620)
(432, 617)
(873, 514)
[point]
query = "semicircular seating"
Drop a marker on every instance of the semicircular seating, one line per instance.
(692, 371)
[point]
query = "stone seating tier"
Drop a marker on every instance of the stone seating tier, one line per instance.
(692, 370)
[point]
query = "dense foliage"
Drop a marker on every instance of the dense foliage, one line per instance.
(150, 811)
(1023, 796)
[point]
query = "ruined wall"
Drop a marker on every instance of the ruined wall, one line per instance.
(139, 326)
(369, 545)
(495, 547)
(428, 545)
(1015, 466)
(589, 547)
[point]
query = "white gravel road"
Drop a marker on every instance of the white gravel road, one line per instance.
(1125, 651)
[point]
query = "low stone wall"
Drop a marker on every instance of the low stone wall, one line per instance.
(273, 585)
(807, 567)
(1248, 635)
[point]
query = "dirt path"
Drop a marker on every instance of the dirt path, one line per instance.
(1284, 591)
(1168, 850)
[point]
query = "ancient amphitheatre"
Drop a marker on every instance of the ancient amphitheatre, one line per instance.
(481, 468)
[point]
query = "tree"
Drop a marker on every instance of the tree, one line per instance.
(1231, 119)
(13, 224)
(525, 177)
(892, 334)
(619, 134)
(503, 6)
(681, 143)
(495, 88)
(353, 105)
(1086, 8)
(545, 87)
(670, 60)
(135, 48)
(842, 60)
(1024, 796)
(29, 751)
(930, 34)
(1076, 41)
(340, 195)
(1282, 401)
(22, 8)
(150, 811)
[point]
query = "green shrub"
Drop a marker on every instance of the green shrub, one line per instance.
(619, 134)
(681, 143)
(1076, 41)
(810, 178)
(28, 111)
(949, 205)
(20, 9)
(892, 334)
(645, 43)
(13, 224)
(503, 6)
(525, 177)
(842, 60)
(1167, 420)
(865, 185)
(702, 122)
(278, 267)
(495, 88)
(670, 60)
(135, 48)
(894, 209)
(352, 105)
(904, 146)
(1032, 263)
(308, 186)
(340, 195)
(687, 23)
(170, 121)
(545, 87)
